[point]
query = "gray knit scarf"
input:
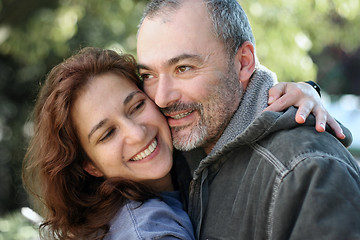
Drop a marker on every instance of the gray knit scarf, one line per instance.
(254, 101)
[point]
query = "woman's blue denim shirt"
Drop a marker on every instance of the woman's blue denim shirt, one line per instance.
(154, 219)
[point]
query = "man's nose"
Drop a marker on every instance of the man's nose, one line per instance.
(167, 91)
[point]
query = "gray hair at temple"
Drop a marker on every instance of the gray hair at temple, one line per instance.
(230, 23)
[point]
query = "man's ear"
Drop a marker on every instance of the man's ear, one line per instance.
(90, 168)
(245, 60)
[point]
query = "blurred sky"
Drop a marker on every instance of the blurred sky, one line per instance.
(347, 111)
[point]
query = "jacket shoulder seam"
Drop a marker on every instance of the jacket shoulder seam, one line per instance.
(268, 156)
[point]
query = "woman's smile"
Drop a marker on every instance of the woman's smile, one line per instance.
(144, 154)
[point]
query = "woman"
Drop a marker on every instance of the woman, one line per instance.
(101, 145)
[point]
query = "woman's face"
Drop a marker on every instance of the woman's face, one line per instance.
(122, 131)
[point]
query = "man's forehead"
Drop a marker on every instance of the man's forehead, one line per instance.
(165, 40)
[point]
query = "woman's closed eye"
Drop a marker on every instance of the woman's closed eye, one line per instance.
(107, 135)
(137, 107)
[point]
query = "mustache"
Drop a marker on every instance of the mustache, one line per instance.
(179, 106)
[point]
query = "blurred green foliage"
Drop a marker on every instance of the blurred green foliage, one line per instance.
(288, 33)
(16, 227)
(292, 39)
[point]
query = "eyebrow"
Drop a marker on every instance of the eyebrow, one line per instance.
(175, 60)
(96, 127)
(184, 56)
(102, 122)
(131, 96)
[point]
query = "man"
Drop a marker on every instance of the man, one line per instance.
(299, 95)
(256, 175)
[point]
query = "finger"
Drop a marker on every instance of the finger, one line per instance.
(281, 104)
(321, 117)
(334, 125)
(276, 92)
(303, 112)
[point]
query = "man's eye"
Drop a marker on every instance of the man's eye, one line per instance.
(107, 135)
(183, 69)
(146, 76)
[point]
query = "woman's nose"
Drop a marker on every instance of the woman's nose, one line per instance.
(134, 132)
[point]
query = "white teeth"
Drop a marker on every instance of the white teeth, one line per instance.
(146, 152)
(181, 115)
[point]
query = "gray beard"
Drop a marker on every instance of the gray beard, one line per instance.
(209, 129)
(193, 140)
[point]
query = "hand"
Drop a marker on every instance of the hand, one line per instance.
(305, 97)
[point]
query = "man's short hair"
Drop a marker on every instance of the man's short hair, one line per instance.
(229, 20)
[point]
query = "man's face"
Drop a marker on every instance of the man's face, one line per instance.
(188, 74)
